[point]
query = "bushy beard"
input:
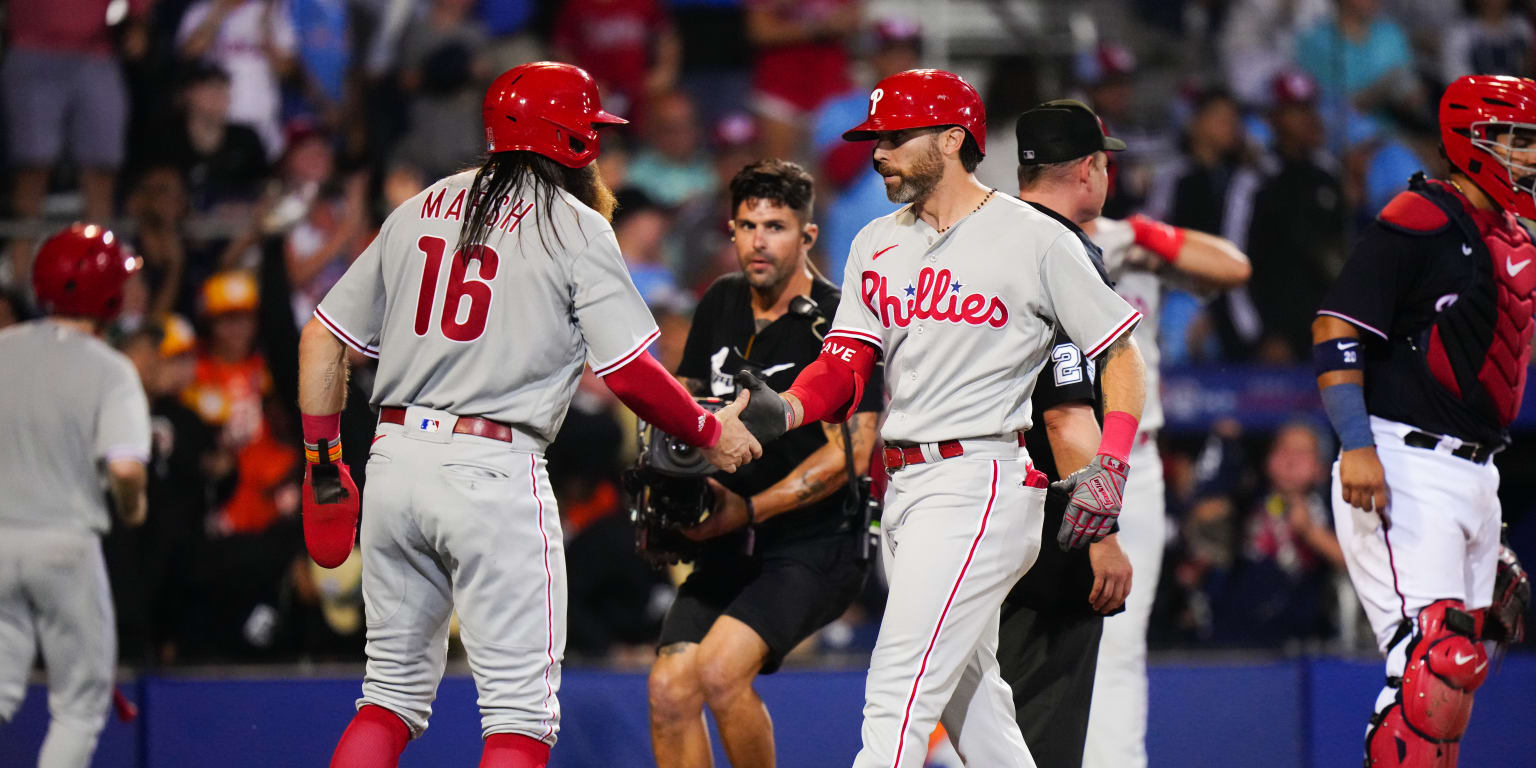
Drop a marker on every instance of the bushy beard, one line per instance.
(919, 181)
(588, 187)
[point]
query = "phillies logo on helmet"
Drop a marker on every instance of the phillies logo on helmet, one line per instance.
(935, 297)
(874, 99)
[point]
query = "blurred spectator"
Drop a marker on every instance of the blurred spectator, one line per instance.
(628, 46)
(255, 42)
(318, 250)
(188, 469)
(442, 71)
(230, 391)
(641, 228)
(1280, 587)
(699, 246)
(1107, 75)
(716, 68)
(1363, 57)
(1296, 238)
(322, 29)
(158, 206)
(1211, 189)
(1491, 38)
(222, 162)
(673, 166)
(802, 61)
(1258, 42)
(63, 81)
(858, 193)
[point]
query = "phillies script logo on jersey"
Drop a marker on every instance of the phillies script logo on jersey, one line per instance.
(936, 296)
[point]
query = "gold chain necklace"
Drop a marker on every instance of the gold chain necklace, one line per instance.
(984, 200)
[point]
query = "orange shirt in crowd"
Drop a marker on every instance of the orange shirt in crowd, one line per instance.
(229, 395)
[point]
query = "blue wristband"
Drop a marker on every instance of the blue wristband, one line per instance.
(1345, 405)
(1341, 354)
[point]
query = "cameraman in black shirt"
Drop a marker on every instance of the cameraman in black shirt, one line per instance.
(782, 555)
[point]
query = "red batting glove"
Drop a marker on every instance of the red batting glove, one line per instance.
(1165, 240)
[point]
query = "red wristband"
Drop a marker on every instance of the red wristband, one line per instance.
(317, 428)
(1119, 435)
(1165, 240)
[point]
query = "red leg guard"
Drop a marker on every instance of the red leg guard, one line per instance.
(514, 750)
(375, 739)
(1392, 744)
(1445, 664)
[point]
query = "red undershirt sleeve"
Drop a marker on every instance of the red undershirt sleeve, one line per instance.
(648, 390)
(829, 389)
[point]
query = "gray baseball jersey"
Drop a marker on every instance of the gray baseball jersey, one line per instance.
(965, 318)
(502, 335)
(76, 402)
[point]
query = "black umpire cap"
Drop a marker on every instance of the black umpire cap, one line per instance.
(1061, 130)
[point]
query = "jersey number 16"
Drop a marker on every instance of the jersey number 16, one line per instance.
(461, 290)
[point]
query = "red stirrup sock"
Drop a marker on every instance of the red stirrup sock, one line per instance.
(514, 750)
(375, 739)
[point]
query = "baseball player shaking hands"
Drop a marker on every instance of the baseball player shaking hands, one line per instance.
(1421, 350)
(482, 297)
(79, 412)
(960, 291)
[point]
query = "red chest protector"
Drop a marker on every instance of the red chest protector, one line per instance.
(1479, 344)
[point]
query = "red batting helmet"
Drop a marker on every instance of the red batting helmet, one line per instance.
(81, 270)
(1475, 112)
(546, 107)
(921, 98)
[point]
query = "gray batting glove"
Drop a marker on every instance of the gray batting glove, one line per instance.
(1096, 493)
(767, 414)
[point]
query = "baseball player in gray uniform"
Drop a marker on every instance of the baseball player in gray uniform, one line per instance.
(82, 418)
(1061, 158)
(482, 297)
(961, 291)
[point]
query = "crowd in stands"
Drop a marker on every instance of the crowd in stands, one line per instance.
(249, 149)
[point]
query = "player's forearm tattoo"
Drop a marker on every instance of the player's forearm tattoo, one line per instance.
(674, 649)
(811, 487)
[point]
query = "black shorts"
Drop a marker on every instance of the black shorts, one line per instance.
(785, 592)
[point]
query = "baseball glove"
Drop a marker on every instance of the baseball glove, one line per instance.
(1511, 600)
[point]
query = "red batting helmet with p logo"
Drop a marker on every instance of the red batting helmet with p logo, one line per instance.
(923, 98)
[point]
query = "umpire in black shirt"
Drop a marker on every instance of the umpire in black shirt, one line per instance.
(781, 558)
(1048, 639)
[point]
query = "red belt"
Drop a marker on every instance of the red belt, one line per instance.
(466, 425)
(898, 457)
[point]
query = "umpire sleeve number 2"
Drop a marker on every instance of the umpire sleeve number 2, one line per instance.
(461, 290)
(1068, 360)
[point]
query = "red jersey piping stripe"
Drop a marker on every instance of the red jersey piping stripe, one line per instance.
(604, 370)
(1124, 325)
(859, 335)
(341, 333)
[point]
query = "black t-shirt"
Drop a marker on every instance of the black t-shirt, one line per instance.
(1392, 288)
(721, 342)
(234, 171)
(1059, 582)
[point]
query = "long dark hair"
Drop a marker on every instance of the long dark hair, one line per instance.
(504, 172)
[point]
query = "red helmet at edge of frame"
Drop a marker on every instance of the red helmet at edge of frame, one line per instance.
(546, 107)
(923, 98)
(80, 272)
(1474, 111)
